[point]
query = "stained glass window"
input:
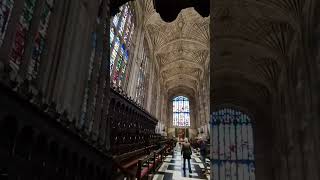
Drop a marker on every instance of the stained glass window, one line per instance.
(39, 40)
(181, 111)
(21, 34)
(232, 145)
(121, 30)
(5, 14)
(142, 79)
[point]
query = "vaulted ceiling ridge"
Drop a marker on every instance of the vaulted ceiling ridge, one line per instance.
(166, 59)
(180, 64)
(184, 41)
(185, 70)
(231, 75)
(181, 76)
(173, 83)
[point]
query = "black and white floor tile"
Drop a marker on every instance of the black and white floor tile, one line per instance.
(172, 167)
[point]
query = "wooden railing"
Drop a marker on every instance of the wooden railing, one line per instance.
(35, 145)
(132, 127)
(37, 142)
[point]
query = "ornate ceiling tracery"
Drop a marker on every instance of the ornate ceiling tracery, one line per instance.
(252, 43)
(181, 47)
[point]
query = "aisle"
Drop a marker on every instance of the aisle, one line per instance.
(171, 169)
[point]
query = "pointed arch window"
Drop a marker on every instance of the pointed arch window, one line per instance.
(39, 40)
(121, 31)
(232, 145)
(21, 34)
(5, 14)
(181, 111)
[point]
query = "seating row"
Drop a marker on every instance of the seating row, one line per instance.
(140, 163)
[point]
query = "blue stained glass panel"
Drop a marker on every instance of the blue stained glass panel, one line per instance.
(181, 113)
(232, 148)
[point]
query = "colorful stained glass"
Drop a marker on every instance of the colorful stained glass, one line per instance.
(39, 40)
(119, 47)
(111, 36)
(116, 20)
(232, 145)
(128, 27)
(130, 36)
(181, 111)
(5, 14)
(123, 20)
(21, 33)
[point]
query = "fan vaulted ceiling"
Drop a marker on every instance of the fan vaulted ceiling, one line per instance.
(181, 47)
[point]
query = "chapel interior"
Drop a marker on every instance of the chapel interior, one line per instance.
(113, 89)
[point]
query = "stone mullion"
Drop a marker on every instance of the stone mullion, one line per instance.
(112, 47)
(294, 151)
(145, 82)
(50, 58)
(9, 37)
(33, 30)
(286, 122)
(276, 119)
(290, 124)
(304, 126)
(101, 48)
(60, 71)
(106, 124)
(309, 54)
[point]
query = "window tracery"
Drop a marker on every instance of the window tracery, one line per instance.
(5, 14)
(181, 111)
(142, 78)
(232, 145)
(121, 31)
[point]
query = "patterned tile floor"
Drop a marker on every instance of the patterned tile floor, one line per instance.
(171, 169)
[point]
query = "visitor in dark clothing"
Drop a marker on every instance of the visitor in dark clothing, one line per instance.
(186, 152)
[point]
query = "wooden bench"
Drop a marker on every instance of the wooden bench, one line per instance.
(128, 162)
(140, 163)
(152, 163)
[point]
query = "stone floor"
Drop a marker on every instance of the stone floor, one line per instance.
(171, 169)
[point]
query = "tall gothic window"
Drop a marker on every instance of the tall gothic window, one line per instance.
(121, 31)
(232, 145)
(21, 34)
(39, 40)
(5, 14)
(141, 83)
(181, 111)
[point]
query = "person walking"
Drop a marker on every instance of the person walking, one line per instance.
(186, 153)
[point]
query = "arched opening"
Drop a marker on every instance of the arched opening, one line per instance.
(181, 116)
(232, 145)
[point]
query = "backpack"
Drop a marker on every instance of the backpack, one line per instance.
(187, 152)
